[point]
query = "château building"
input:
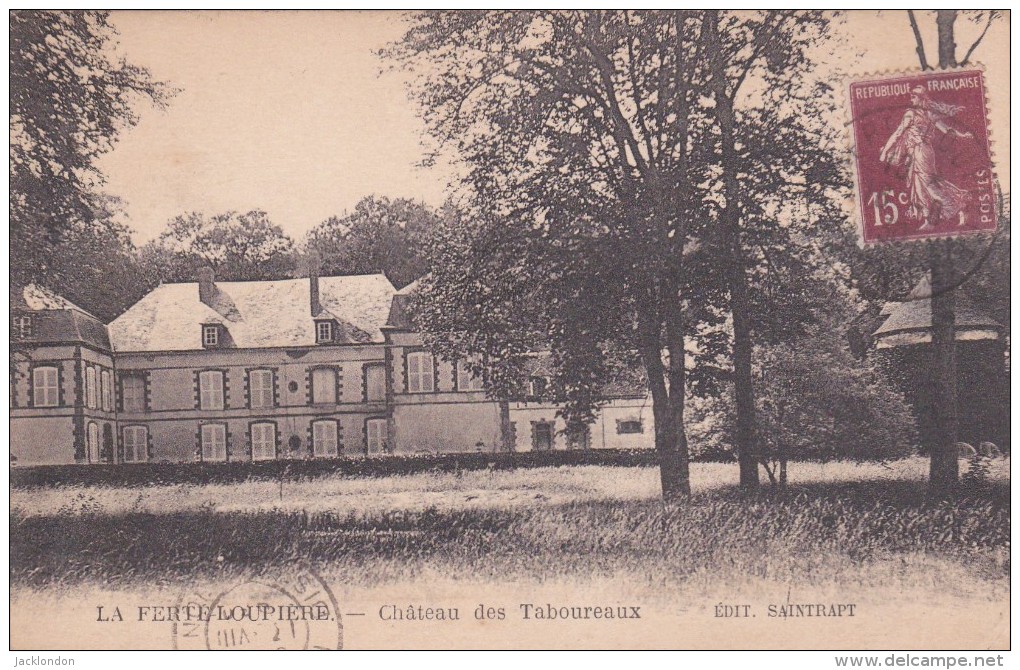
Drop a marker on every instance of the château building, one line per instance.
(317, 367)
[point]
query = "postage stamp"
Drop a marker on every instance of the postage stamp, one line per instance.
(922, 155)
(297, 611)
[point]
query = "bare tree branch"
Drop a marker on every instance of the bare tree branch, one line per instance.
(918, 40)
(771, 29)
(992, 15)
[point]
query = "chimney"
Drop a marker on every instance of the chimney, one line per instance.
(313, 283)
(206, 284)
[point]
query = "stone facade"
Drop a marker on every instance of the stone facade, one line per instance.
(229, 371)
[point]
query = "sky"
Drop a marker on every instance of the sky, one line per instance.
(293, 113)
(282, 111)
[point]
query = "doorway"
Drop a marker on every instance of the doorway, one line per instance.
(542, 435)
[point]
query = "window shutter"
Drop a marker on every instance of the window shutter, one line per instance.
(263, 441)
(375, 383)
(323, 385)
(260, 388)
(214, 442)
(210, 385)
(45, 387)
(324, 438)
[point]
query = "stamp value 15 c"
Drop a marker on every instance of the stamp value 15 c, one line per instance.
(923, 156)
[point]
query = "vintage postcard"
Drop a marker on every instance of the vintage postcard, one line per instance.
(510, 330)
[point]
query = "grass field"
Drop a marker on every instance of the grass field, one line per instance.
(862, 529)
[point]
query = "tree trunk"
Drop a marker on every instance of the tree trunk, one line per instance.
(673, 460)
(945, 19)
(506, 429)
(944, 470)
(677, 381)
(736, 272)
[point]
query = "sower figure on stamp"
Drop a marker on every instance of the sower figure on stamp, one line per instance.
(932, 197)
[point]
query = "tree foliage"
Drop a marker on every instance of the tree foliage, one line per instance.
(239, 247)
(380, 235)
(815, 402)
(596, 184)
(572, 124)
(818, 402)
(69, 100)
(96, 265)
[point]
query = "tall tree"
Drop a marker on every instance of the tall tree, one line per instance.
(595, 138)
(467, 311)
(575, 129)
(69, 100)
(380, 235)
(239, 247)
(943, 260)
(772, 149)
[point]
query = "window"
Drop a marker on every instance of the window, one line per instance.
(323, 331)
(375, 434)
(93, 442)
(323, 386)
(263, 441)
(260, 388)
(375, 383)
(136, 444)
(21, 326)
(537, 387)
(45, 387)
(541, 435)
(420, 374)
(629, 426)
(466, 381)
(325, 438)
(132, 389)
(210, 336)
(90, 387)
(210, 389)
(106, 386)
(214, 442)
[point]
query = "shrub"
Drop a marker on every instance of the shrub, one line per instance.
(147, 474)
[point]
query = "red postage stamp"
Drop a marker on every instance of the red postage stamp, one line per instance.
(923, 158)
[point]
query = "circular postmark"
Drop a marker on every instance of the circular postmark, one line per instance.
(293, 611)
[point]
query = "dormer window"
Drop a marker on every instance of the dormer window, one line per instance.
(537, 387)
(210, 335)
(21, 326)
(323, 331)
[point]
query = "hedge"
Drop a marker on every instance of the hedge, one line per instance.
(149, 474)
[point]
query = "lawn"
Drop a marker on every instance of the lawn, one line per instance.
(858, 533)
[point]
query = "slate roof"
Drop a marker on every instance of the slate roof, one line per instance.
(254, 314)
(400, 313)
(915, 315)
(628, 383)
(56, 319)
(35, 297)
